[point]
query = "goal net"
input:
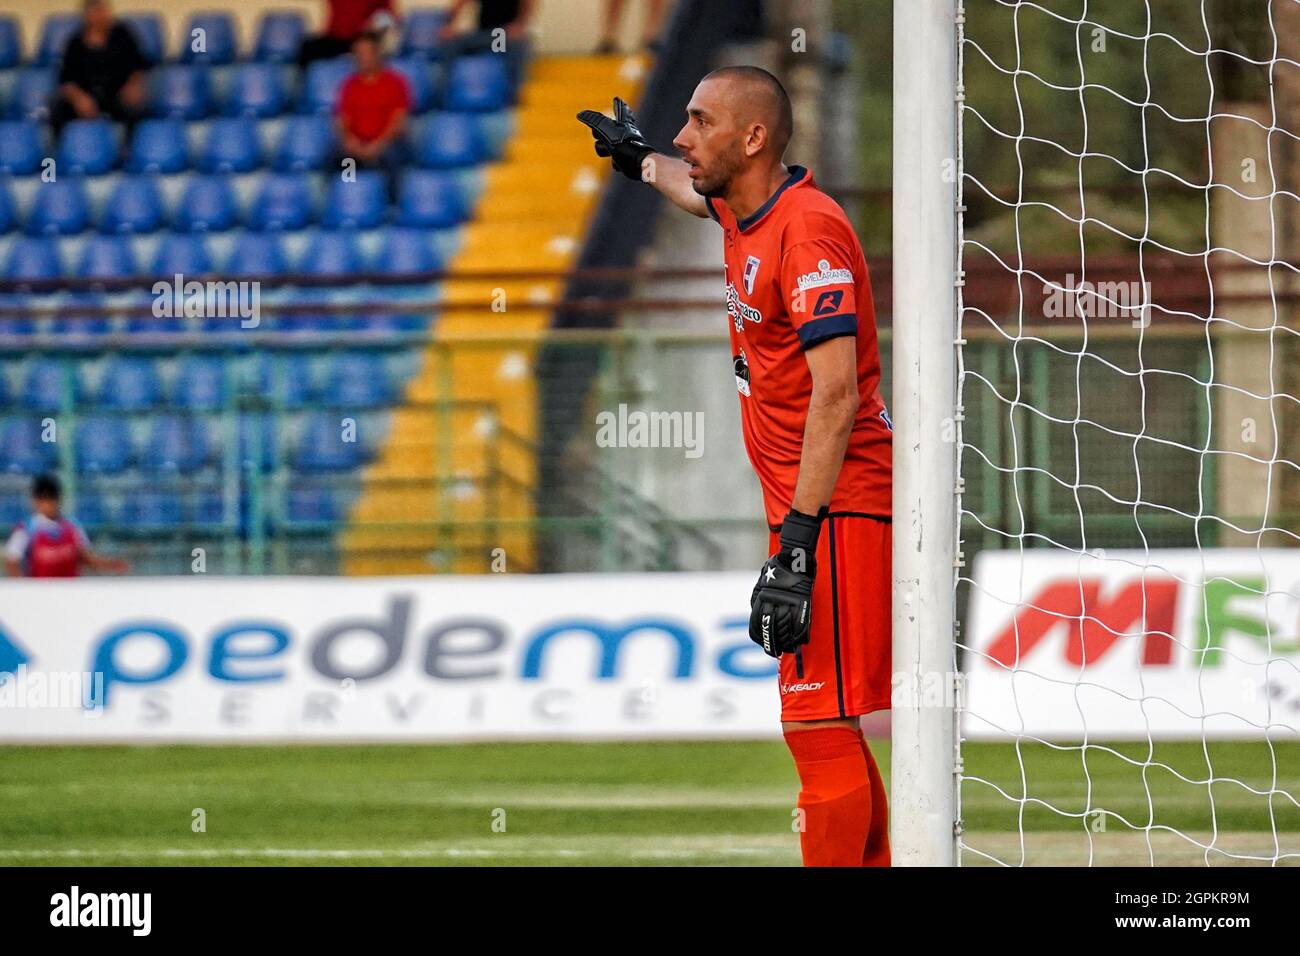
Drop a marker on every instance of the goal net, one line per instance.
(1127, 429)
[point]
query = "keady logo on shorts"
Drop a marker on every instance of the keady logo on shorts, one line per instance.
(825, 275)
(75, 908)
(739, 311)
(800, 688)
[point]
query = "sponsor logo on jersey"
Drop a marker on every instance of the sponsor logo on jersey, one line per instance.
(739, 311)
(751, 270)
(740, 365)
(800, 688)
(824, 275)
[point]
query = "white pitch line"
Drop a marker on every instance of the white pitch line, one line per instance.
(307, 853)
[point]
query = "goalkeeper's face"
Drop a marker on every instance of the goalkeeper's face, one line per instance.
(712, 142)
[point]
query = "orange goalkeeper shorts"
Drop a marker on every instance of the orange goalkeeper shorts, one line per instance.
(845, 668)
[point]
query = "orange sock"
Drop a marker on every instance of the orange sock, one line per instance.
(836, 795)
(877, 852)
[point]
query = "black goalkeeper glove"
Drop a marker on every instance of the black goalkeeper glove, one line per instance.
(780, 617)
(619, 138)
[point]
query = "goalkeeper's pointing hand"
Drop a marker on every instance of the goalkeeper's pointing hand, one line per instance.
(619, 138)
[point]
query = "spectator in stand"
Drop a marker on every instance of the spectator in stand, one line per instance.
(102, 72)
(373, 106)
(613, 12)
(49, 545)
(345, 20)
(511, 17)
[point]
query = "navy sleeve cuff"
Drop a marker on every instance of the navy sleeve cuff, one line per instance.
(827, 327)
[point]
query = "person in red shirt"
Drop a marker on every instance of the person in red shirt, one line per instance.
(51, 545)
(345, 20)
(371, 114)
(807, 370)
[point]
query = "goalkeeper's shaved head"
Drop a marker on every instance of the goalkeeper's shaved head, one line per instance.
(756, 96)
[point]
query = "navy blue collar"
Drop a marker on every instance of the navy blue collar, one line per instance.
(797, 174)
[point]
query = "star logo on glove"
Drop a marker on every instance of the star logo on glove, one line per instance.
(771, 573)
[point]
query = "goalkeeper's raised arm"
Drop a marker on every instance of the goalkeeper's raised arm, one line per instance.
(621, 140)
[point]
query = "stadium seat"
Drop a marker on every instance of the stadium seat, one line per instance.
(450, 141)
(420, 33)
(11, 42)
(477, 84)
(144, 509)
(231, 146)
(134, 206)
(87, 147)
(147, 28)
(158, 146)
(107, 257)
(15, 329)
(177, 443)
(356, 204)
(207, 204)
(101, 444)
(321, 86)
(284, 202)
(59, 208)
(56, 31)
(406, 251)
(430, 199)
(33, 260)
(180, 91)
(419, 81)
(284, 378)
(312, 504)
(21, 449)
(200, 383)
(92, 510)
(279, 35)
(330, 254)
(321, 447)
(20, 147)
(358, 380)
(49, 385)
(145, 322)
(72, 326)
(8, 209)
(256, 254)
(181, 253)
(13, 508)
(305, 144)
(32, 92)
(205, 507)
(256, 90)
(129, 384)
(215, 44)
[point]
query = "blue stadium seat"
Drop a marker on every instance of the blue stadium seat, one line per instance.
(231, 146)
(145, 322)
(256, 254)
(20, 147)
(356, 204)
(144, 509)
(5, 398)
(206, 507)
(284, 202)
(406, 251)
(478, 84)
(107, 257)
(11, 42)
(101, 445)
(183, 253)
(134, 206)
(279, 35)
(305, 144)
(358, 380)
(13, 509)
(217, 39)
(8, 209)
(331, 254)
(399, 322)
(177, 443)
(74, 325)
(129, 384)
(419, 81)
(92, 509)
(430, 199)
(21, 448)
(59, 208)
(180, 91)
(420, 32)
(32, 92)
(56, 31)
(200, 383)
(207, 205)
(256, 91)
(321, 88)
(147, 28)
(283, 378)
(158, 146)
(87, 147)
(259, 440)
(33, 260)
(321, 446)
(312, 504)
(450, 141)
(46, 386)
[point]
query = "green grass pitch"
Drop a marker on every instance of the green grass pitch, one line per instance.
(659, 803)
